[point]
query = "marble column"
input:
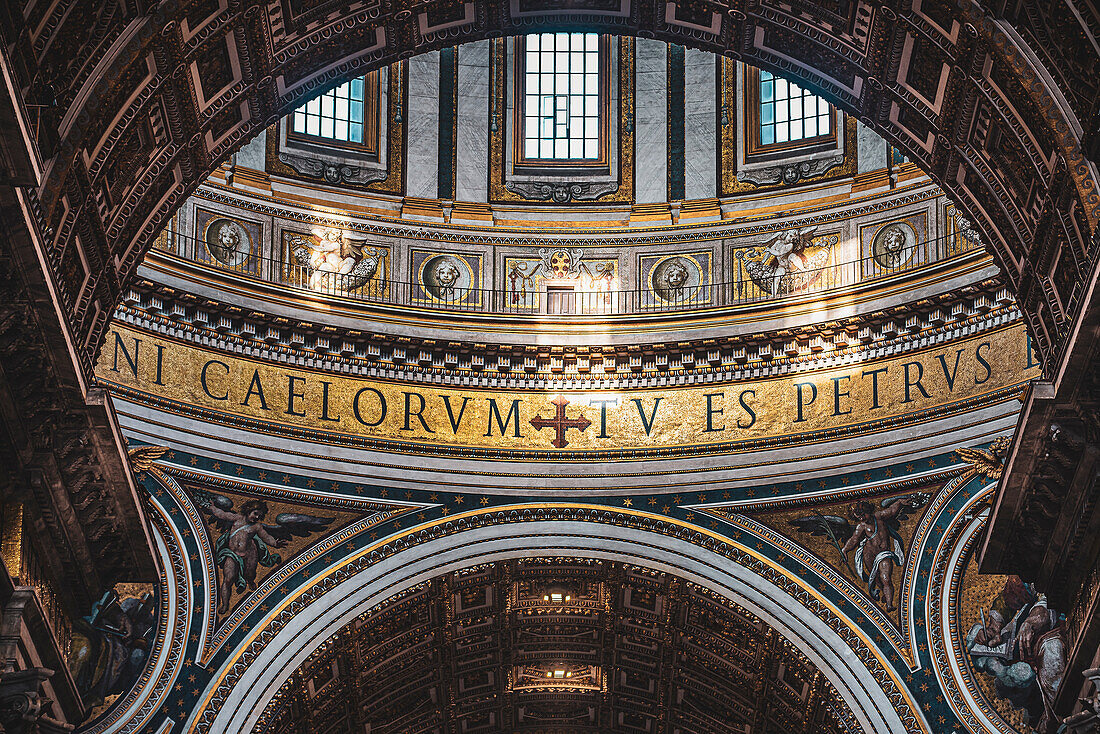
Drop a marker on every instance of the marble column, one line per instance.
(650, 121)
(472, 182)
(423, 126)
(700, 127)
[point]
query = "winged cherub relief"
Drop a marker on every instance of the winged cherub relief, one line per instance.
(337, 261)
(783, 254)
(875, 538)
(247, 542)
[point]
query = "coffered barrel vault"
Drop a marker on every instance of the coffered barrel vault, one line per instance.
(559, 642)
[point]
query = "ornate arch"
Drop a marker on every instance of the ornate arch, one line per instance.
(153, 103)
(242, 687)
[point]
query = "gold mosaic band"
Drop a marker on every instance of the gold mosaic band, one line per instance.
(943, 378)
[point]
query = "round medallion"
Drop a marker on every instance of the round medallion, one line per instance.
(676, 279)
(894, 245)
(446, 277)
(227, 241)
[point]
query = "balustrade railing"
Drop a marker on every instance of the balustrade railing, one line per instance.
(582, 296)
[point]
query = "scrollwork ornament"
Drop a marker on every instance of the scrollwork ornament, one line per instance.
(790, 173)
(332, 172)
(562, 192)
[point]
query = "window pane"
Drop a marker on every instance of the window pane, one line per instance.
(592, 84)
(563, 88)
(788, 112)
(336, 115)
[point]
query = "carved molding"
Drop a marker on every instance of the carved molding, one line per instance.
(1086, 721)
(333, 172)
(790, 172)
(160, 309)
(562, 192)
(22, 705)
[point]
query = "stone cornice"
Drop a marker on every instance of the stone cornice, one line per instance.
(566, 236)
(163, 311)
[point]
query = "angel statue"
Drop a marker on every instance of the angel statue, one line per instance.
(875, 538)
(783, 253)
(337, 261)
(246, 541)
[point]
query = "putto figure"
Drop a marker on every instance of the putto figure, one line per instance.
(875, 538)
(246, 542)
(783, 254)
(446, 275)
(335, 262)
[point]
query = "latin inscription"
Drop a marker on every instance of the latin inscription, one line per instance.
(829, 399)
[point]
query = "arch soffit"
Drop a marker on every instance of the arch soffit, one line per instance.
(179, 90)
(244, 691)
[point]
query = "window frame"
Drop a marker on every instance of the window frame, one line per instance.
(520, 162)
(372, 92)
(753, 147)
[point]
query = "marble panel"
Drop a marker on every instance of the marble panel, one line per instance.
(870, 149)
(423, 126)
(254, 154)
(651, 122)
(700, 125)
(472, 181)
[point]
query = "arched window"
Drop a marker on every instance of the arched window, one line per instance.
(346, 115)
(561, 93)
(783, 114)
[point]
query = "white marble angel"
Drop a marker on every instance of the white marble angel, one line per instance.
(337, 261)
